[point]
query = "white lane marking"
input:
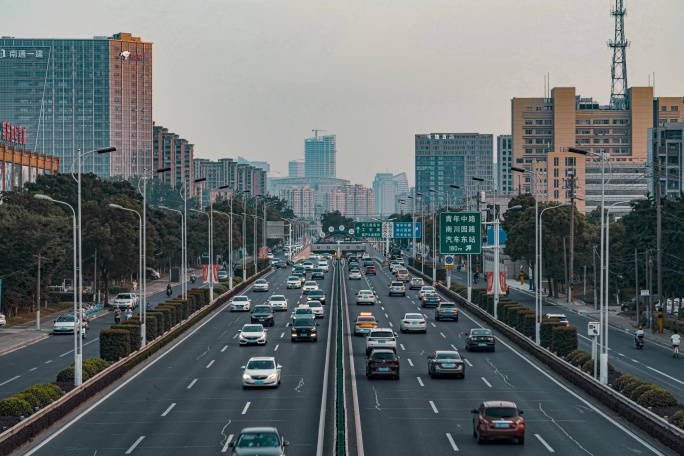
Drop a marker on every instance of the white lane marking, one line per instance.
(434, 409)
(225, 447)
(410, 362)
(137, 442)
(452, 346)
(386, 316)
(94, 340)
(442, 334)
(210, 363)
(486, 382)
(192, 383)
(451, 441)
(282, 335)
(168, 409)
(244, 410)
(467, 362)
(31, 370)
(551, 450)
(276, 348)
(7, 381)
(64, 354)
(420, 381)
(48, 361)
(433, 325)
(235, 336)
(390, 323)
(224, 348)
(402, 346)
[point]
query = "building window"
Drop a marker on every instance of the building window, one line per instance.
(582, 121)
(663, 108)
(555, 161)
(674, 108)
(528, 132)
(601, 122)
(528, 122)
(528, 151)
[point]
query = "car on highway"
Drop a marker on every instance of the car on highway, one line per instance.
(425, 289)
(64, 324)
(293, 282)
(124, 300)
(309, 285)
(3, 320)
(317, 308)
(316, 295)
(366, 297)
(397, 288)
(446, 311)
(480, 339)
(260, 285)
(370, 270)
(303, 310)
(304, 328)
(308, 265)
(324, 265)
(498, 420)
(298, 269)
(413, 322)
(265, 441)
(252, 335)
(381, 338)
(353, 264)
(261, 371)
(317, 274)
(416, 283)
(354, 274)
(560, 317)
(222, 275)
(402, 275)
(270, 256)
(302, 278)
(278, 302)
(446, 362)
(364, 323)
(263, 313)
(240, 304)
(430, 300)
(152, 274)
(365, 256)
(382, 362)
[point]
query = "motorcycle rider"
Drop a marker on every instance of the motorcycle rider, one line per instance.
(193, 277)
(676, 340)
(169, 291)
(639, 336)
(129, 313)
(117, 315)
(476, 277)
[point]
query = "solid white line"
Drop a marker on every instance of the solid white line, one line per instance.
(276, 348)
(467, 362)
(434, 409)
(48, 361)
(210, 363)
(244, 411)
(192, 383)
(442, 334)
(451, 441)
(137, 442)
(31, 370)
(402, 346)
(224, 349)
(7, 381)
(225, 447)
(64, 354)
(168, 409)
(420, 381)
(486, 382)
(551, 450)
(410, 362)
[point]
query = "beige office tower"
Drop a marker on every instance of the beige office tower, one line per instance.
(544, 128)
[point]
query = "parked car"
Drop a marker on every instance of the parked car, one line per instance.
(3, 320)
(152, 274)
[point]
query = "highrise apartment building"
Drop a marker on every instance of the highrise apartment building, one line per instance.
(504, 161)
(83, 94)
(226, 172)
(320, 156)
(296, 168)
(301, 200)
(359, 201)
(385, 194)
(544, 125)
(445, 159)
(172, 151)
(665, 144)
(257, 164)
(335, 201)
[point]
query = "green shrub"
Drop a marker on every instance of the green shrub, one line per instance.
(114, 344)
(571, 356)
(66, 374)
(677, 419)
(528, 327)
(176, 311)
(94, 366)
(638, 391)
(45, 393)
(588, 367)
(237, 280)
(151, 327)
(163, 322)
(169, 316)
(623, 381)
(510, 315)
(581, 359)
(564, 340)
(135, 327)
(546, 331)
(15, 406)
(31, 399)
(632, 386)
(519, 319)
(657, 397)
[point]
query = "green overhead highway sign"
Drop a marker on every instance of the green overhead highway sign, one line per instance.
(460, 233)
(368, 230)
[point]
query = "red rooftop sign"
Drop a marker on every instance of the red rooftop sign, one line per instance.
(13, 133)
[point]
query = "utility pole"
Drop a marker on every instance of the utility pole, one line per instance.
(659, 255)
(565, 265)
(571, 270)
(650, 287)
(636, 285)
(584, 297)
(94, 285)
(594, 260)
(38, 297)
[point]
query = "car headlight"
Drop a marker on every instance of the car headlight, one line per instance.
(246, 377)
(272, 376)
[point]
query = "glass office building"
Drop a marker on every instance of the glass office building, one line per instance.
(320, 156)
(83, 94)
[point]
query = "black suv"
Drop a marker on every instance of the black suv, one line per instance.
(480, 339)
(382, 362)
(316, 295)
(264, 315)
(304, 328)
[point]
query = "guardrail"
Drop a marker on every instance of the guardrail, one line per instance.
(23, 432)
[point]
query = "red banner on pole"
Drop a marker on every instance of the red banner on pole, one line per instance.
(205, 273)
(501, 284)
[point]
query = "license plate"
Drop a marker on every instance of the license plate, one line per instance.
(303, 335)
(383, 369)
(482, 344)
(381, 341)
(448, 364)
(502, 425)
(259, 382)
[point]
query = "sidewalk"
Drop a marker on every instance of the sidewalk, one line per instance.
(615, 318)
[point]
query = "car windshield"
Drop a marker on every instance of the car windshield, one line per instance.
(447, 306)
(365, 319)
(261, 364)
(124, 296)
(383, 355)
(416, 280)
(262, 309)
(314, 303)
(310, 283)
(240, 298)
(261, 281)
(428, 289)
(258, 440)
(443, 356)
(397, 284)
(316, 293)
(383, 334)
(65, 319)
(252, 328)
(481, 332)
(303, 311)
(303, 322)
(275, 298)
(413, 317)
(293, 278)
(501, 412)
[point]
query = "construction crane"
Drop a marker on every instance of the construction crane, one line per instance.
(316, 132)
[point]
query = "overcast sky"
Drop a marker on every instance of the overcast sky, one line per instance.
(254, 77)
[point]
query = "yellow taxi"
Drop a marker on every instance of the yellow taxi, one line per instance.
(364, 323)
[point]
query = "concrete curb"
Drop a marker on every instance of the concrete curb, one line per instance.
(23, 344)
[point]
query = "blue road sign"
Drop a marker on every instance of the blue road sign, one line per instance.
(402, 230)
(503, 236)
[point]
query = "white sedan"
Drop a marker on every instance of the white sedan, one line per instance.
(278, 302)
(240, 303)
(317, 308)
(365, 297)
(252, 335)
(260, 285)
(413, 322)
(294, 282)
(309, 285)
(262, 371)
(426, 290)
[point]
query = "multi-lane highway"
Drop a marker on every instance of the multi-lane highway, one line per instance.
(189, 399)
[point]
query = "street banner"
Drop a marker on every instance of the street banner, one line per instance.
(502, 283)
(205, 273)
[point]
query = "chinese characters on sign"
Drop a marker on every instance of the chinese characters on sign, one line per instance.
(402, 230)
(13, 133)
(436, 136)
(368, 230)
(460, 233)
(20, 53)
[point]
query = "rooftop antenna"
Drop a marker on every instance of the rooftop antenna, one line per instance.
(618, 70)
(316, 132)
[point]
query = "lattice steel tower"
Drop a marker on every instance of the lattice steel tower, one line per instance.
(618, 70)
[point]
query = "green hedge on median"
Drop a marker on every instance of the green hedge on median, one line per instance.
(114, 344)
(563, 340)
(15, 406)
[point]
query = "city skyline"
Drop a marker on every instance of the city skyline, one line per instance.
(331, 78)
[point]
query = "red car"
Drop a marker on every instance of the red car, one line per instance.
(370, 270)
(498, 420)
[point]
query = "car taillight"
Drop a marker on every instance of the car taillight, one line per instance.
(406, 322)
(422, 322)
